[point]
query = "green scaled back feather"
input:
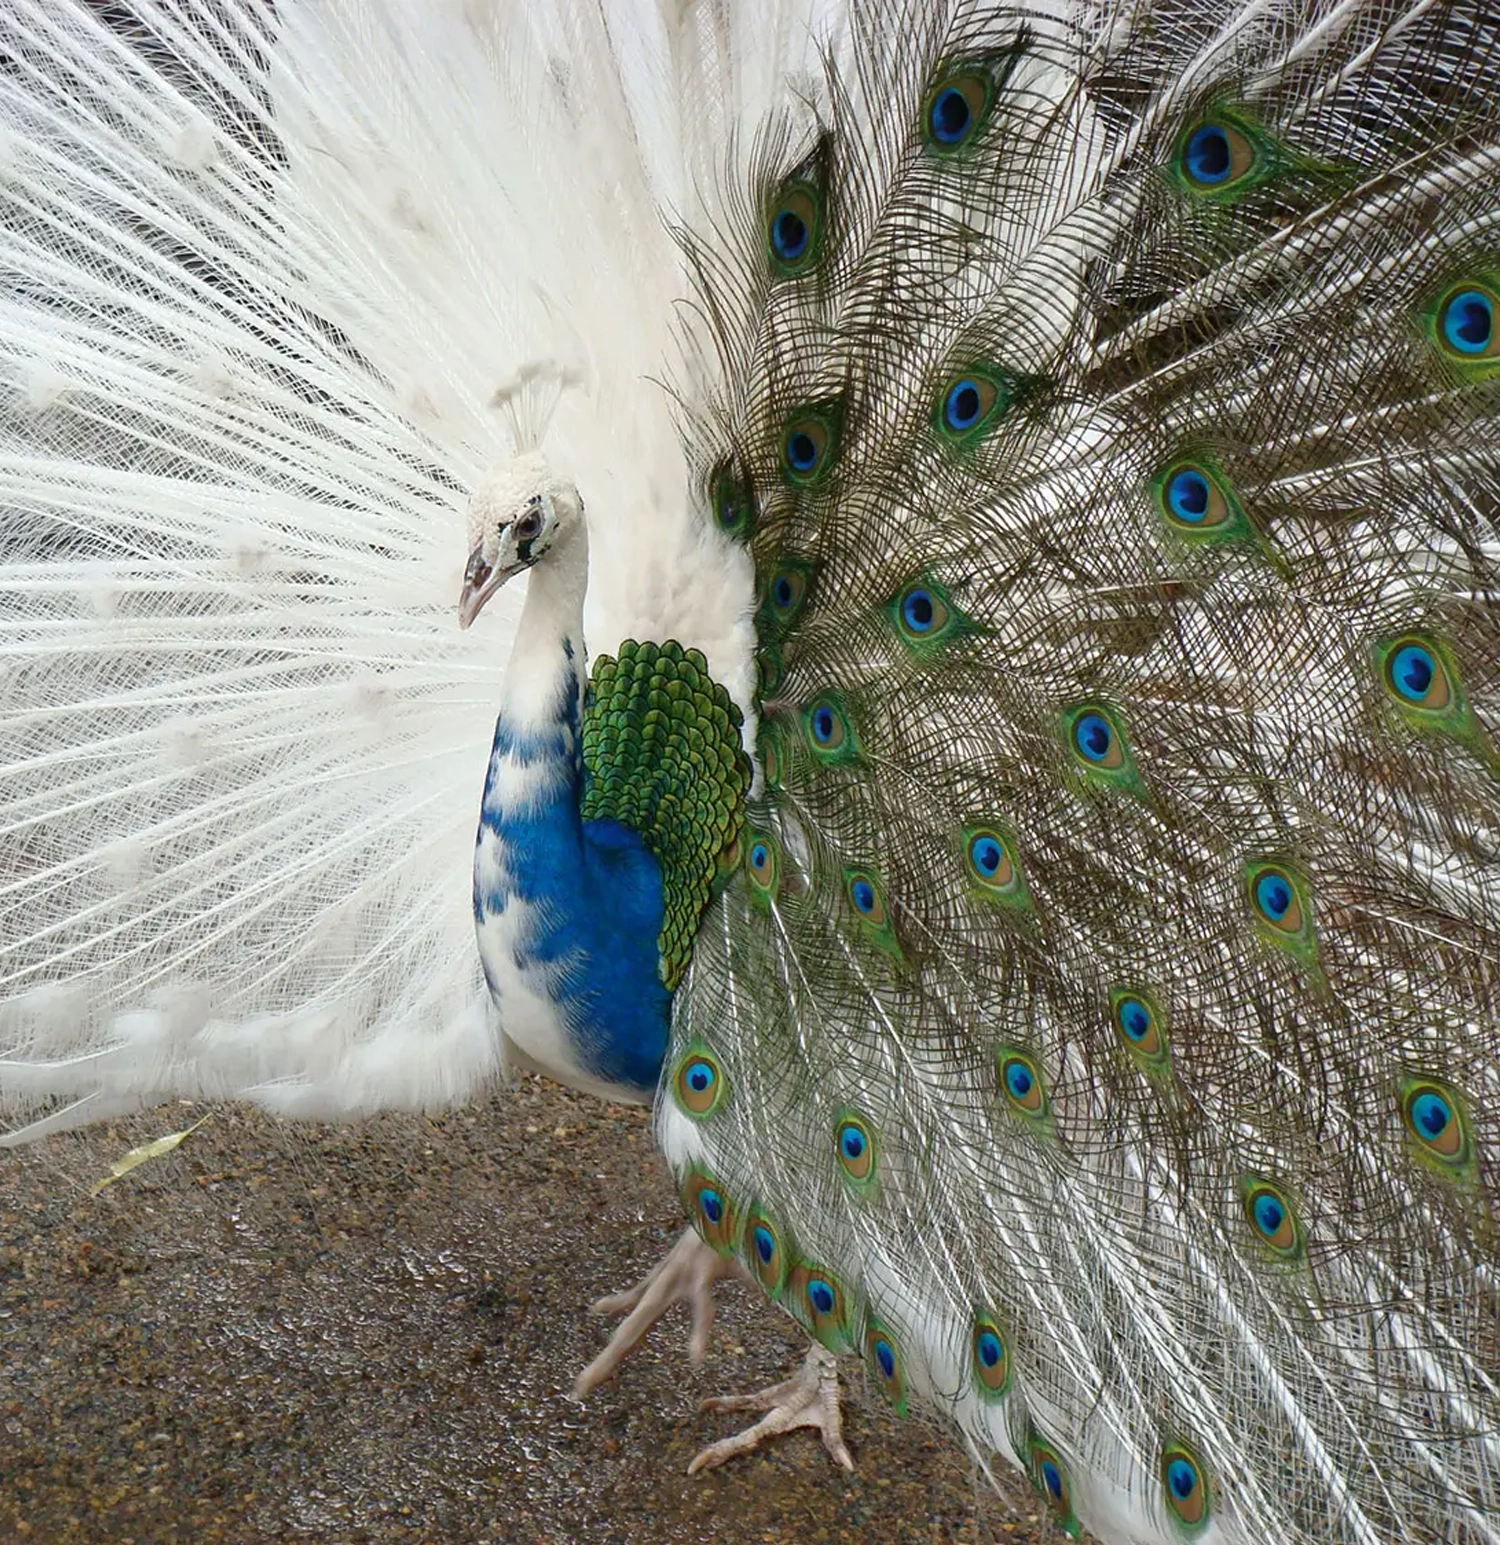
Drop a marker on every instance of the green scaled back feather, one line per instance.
(1156, 348)
(661, 754)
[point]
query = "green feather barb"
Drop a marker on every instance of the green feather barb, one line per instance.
(662, 755)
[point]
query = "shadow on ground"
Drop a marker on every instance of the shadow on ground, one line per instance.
(367, 1334)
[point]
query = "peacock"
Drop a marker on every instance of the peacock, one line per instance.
(1001, 740)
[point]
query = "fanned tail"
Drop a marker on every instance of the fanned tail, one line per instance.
(1114, 434)
(279, 285)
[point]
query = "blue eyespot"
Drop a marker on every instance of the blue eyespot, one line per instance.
(765, 1246)
(1182, 1478)
(885, 1355)
(950, 116)
(1277, 899)
(1188, 495)
(829, 736)
(862, 893)
(1052, 1479)
(1268, 1213)
(1187, 1492)
(1273, 895)
(1412, 670)
(760, 856)
(918, 611)
(1093, 737)
(991, 1366)
(856, 1150)
(1468, 322)
(782, 593)
(1141, 1027)
(801, 451)
(794, 227)
(986, 855)
(820, 1296)
(809, 444)
(1021, 1082)
(710, 1208)
(1434, 1116)
(1432, 1113)
(1134, 1018)
(1206, 157)
(962, 406)
(698, 1084)
(789, 235)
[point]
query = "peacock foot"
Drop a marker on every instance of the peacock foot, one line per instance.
(810, 1398)
(686, 1274)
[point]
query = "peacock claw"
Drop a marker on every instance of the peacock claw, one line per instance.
(810, 1398)
(686, 1274)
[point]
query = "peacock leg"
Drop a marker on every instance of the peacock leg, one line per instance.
(810, 1398)
(686, 1274)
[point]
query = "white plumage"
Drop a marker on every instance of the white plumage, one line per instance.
(280, 289)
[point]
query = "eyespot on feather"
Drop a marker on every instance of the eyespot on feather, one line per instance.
(1416, 675)
(1272, 1219)
(762, 864)
(1184, 1480)
(795, 227)
(1222, 155)
(763, 1252)
(698, 1083)
(810, 445)
(1021, 1082)
(991, 866)
(956, 109)
(733, 504)
(972, 403)
(816, 1296)
(786, 591)
(712, 1213)
(829, 734)
(1050, 1477)
(1099, 751)
(1461, 325)
(990, 1357)
(1140, 1024)
(883, 1356)
(1281, 907)
(1436, 1120)
(854, 1145)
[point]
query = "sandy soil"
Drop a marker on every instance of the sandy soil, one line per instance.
(368, 1334)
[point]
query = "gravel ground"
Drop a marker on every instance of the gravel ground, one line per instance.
(367, 1334)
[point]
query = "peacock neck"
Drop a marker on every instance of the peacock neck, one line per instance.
(544, 680)
(567, 912)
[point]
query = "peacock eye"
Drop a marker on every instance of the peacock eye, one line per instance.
(794, 227)
(972, 403)
(1216, 155)
(1466, 323)
(956, 109)
(529, 526)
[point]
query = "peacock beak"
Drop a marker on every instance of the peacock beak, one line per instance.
(481, 580)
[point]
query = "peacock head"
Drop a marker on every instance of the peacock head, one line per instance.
(519, 513)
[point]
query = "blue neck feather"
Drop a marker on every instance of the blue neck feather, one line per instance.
(596, 904)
